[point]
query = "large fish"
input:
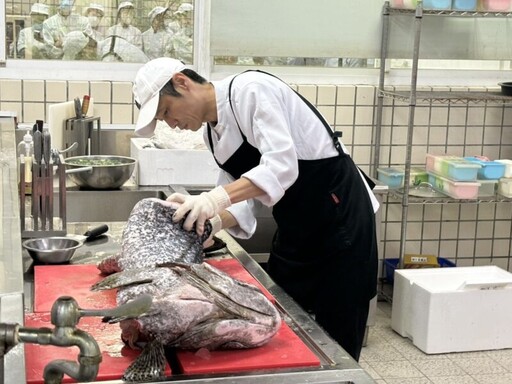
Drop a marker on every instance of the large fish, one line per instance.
(151, 238)
(194, 304)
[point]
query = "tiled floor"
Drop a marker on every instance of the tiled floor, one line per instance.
(391, 359)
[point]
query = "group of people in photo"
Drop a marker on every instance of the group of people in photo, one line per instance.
(163, 31)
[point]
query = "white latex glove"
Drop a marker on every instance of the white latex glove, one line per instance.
(216, 223)
(200, 207)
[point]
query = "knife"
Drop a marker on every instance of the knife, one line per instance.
(78, 108)
(36, 193)
(48, 177)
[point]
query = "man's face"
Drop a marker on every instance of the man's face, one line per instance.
(126, 16)
(182, 112)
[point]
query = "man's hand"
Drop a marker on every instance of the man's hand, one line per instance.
(199, 208)
(216, 223)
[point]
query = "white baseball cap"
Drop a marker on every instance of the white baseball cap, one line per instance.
(39, 8)
(149, 81)
(155, 12)
(125, 4)
(184, 8)
(95, 6)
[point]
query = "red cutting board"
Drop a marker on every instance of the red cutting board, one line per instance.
(116, 357)
(54, 281)
(284, 350)
(235, 269)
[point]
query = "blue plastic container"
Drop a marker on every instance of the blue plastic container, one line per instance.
(437, 4)
(490, 170)
(391, 264)
(464, 5)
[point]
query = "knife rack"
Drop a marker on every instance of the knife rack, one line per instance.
(86, 132)
(40, 220)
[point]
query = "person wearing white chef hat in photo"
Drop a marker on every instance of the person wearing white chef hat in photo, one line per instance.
(183, 44)
(273, 147)
(157, 40)
(124, 27)
(30, 43)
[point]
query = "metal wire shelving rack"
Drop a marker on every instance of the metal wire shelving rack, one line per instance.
(414, 98)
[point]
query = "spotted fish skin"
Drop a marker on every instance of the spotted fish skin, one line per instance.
(150, 238)
(195, 306)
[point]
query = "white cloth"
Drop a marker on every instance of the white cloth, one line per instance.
(277, 122)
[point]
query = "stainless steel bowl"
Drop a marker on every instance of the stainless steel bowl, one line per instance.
(51, 250)
(100, 172)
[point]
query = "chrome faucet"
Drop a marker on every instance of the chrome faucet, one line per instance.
(65, 315)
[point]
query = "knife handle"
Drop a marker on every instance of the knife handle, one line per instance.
(47, 145)
(95, 232)
(85, 105)
(38, 147)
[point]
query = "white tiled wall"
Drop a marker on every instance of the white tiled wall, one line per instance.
(469, 234)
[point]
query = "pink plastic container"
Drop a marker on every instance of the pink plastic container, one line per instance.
(455, 189)
(496, 5)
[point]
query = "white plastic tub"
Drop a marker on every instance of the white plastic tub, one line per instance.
(508, 167)
(505, 187)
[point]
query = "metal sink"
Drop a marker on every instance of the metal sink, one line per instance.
(105, 205)
(116, 205)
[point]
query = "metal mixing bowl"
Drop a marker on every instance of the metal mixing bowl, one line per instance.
(108, 172)
(51, 250)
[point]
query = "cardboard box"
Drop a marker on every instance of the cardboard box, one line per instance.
(420, 261)
(172, 166)
(453, 309)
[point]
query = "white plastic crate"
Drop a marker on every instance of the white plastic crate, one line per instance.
(173, 166)
(453, 309)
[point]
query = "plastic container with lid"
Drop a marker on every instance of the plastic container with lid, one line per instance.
(437, 4)
(393, 177)
(505, 187)
(508, 166)
(452, 167)
(454, 189)
(496, 5)
(490, 170)
(464, 5)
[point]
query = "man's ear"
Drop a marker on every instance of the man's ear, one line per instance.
(179, 80)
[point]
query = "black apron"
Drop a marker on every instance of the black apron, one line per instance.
(324, 251)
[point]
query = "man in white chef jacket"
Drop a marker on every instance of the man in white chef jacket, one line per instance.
(275, 147)
(124, 27)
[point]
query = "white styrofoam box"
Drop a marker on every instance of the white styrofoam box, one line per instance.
(453, 309)
(173, 166)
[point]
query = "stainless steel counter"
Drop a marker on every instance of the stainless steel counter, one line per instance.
(16, 289)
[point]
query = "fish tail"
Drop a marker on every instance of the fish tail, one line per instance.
(149, 365)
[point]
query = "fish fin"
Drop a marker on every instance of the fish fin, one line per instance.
(149, 365)
(171, 264)
(117, 319)
(123, 279)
